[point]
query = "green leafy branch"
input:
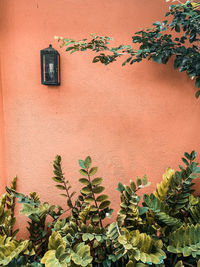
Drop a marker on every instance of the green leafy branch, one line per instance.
(155, 43)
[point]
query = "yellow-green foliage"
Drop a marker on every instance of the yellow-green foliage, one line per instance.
(162, 188)
(142, 247)
(129, 213)
(185, 240)
(161, 210)
(56, 255)
(194, 209)
(63, 254)
(167, 221)
(10, 249)
(40, 211)
(7, 205)
(5, 217)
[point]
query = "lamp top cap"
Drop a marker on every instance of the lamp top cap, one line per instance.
(49, 49)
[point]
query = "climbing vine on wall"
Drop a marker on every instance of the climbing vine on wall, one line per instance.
(177, 37)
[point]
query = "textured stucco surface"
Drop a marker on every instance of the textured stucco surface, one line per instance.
(2, 143)
(131, 120)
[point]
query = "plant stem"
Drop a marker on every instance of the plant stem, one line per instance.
(174, 261)
(188, 264)
(67, 191)
(93, 195)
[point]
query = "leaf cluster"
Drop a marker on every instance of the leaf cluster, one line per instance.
(177, 37)
(163, 230)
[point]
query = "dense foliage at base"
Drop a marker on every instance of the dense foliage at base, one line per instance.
(177, 37)
(158, 229)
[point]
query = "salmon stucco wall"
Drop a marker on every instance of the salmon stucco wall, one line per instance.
(2, 143)
(131, 120)
(2, 151)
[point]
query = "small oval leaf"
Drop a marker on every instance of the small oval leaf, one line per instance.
(98, 189)
(87, 162)
(61, 187)
(88, 199)
(82, 164)
(86, 190)
(97, 181)
(83, 172)
(104, 204)
(57, 179)
(101, 198)
(93, 171)
(84, 181)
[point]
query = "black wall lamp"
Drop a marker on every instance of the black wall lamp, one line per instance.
(50, 66)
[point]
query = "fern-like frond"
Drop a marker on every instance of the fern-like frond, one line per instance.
(185, 241)
(163, 187)
(142, 247)
(10, 249)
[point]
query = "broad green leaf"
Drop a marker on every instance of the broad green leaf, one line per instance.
(93, 171)
(133, 186)
(187, 155)
(84, 181)
(98, 189)
(59, 251)
(144, 180)
(193, 155)
(120, 187)
(93, 208)
(142, 210)
(101, 198)
(185, 161)
(57, 179)
(82, 164)
(61, 187)
(86, 190)
(138, 181)
(88, 199)
(105, 204)
(85, 237)
(83, 172)
(97, 181)
(87, 162)
(90, 236)
(98, 238)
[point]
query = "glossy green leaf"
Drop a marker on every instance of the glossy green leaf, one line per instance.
(82, 164)
(120, 187)
(87, 162)
(86, 190)
(97, 181)
(83, 172)
(138, 181)
(84, 181)
(89, 199)
(98, 189)
(61, 187)
(101, 198)
(57, 179)
(105, 204)
(93, 171)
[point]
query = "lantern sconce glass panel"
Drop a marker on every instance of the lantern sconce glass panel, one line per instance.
(50, 66)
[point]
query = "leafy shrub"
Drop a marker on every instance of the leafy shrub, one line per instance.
(158, 229)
